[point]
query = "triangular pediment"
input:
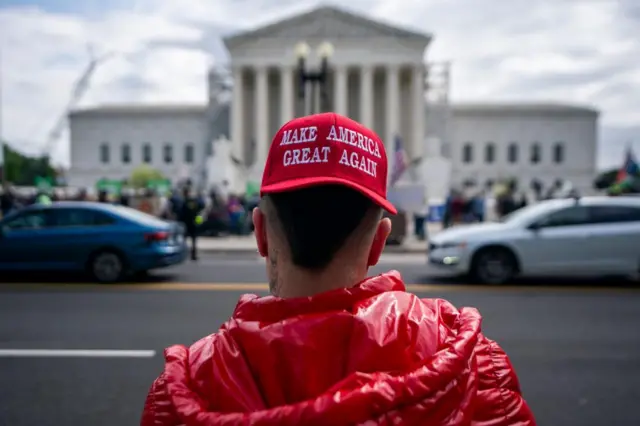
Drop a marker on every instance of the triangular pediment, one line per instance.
(325, 22)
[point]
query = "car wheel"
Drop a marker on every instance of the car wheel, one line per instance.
(494, 266)
(107, 267)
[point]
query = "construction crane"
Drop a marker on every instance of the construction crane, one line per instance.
(79, 89)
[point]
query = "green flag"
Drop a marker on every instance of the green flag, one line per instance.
(43, 183)
(111, 186)
(252, 189)
(161, 186)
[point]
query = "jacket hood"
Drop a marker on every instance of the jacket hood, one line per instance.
(370, 354)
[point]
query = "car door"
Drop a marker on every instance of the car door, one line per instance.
(24, 243)
(557, 243)
(614, 238)
(79, 231)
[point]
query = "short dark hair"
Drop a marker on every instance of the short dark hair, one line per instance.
(317, 221)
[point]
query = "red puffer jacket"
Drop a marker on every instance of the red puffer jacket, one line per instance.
(368, 355)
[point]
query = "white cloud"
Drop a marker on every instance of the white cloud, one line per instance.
(579, 51)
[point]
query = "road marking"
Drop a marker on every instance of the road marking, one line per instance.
(75, 353)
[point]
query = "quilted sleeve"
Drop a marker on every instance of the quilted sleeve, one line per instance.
(499, 399)
(158, 408)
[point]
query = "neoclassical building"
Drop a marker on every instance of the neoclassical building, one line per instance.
(376, 75)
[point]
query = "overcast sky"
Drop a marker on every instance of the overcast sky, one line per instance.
(574, 51)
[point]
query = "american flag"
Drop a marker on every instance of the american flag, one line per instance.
(400, 160)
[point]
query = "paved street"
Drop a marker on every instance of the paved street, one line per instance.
(249, 268)
(576, 348)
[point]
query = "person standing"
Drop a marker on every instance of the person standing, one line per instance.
(331, 346)
(124, 198)
(189, 209)
(419, 222)
(479, 206)
(103, 196)
(447, 212)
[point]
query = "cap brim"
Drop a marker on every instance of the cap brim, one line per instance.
(294, 184)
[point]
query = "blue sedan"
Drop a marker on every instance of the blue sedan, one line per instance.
(108, 241)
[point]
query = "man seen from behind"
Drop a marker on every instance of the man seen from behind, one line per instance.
(189, 209)
(330, 346)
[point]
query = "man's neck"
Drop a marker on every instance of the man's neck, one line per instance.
(300, 283)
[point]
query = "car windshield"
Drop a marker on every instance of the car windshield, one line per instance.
(527, 214)
(138, 216)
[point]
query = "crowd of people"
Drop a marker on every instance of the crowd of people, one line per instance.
(219, 213)
(212, 215)
(461, 208)
(464, 209)
(469, 206)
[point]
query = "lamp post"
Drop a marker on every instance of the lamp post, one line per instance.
(317, 77)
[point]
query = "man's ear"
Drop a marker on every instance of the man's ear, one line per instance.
(260, 225)
(379, 241)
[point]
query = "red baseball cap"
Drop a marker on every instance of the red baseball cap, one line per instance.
(323, 149)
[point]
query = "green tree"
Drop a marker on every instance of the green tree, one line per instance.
(21, 169)
(143, 175)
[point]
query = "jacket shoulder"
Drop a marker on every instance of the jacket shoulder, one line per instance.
(499, 397)
(499, 400)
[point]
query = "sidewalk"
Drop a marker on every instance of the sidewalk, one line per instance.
(247, 245)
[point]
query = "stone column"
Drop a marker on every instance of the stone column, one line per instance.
(366, 96)
(262, 117)
(416, 148)
(237, 116)
(286, 94)
(340, 93)
(392, 112)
